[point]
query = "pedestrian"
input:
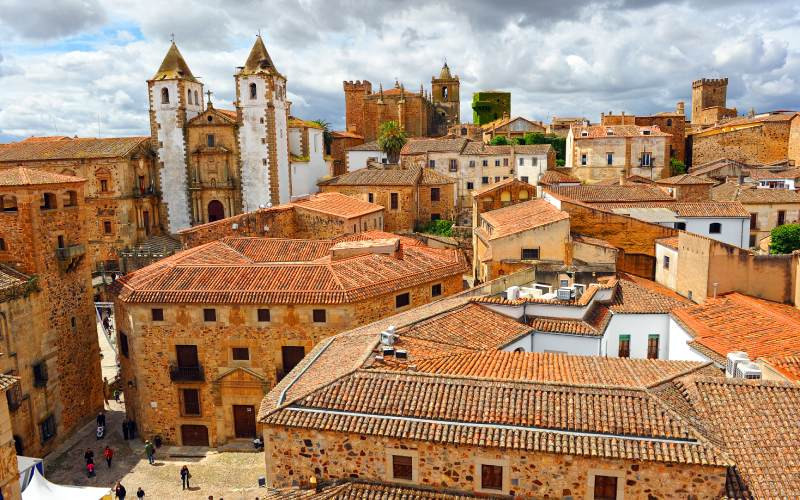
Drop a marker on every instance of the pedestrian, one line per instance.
(105, 391)
(150, 451)
(90, 469)
(89, 456)
(101, 419)
(108, 453)
(140, 493)
(185, 476)
(119, 491)
(117, 392)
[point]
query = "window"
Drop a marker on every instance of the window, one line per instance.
(472, 163)
(107, 226)
(680, 225)
(436, 216)
(263, 315)
(157, 314)
(522, 162)
(209, 315)
(432, 163)
(505, 162)
(435, 194)
(485, 163)
(402, 300)
(196, 100)
(646, 159)
(497, 178)
(484, 180)
(666, 262)
(523, 194)
(535, 161)
(402, 467)
(436, 290)
(394, 201)
(669, 122)
(781, 217)
(753, 221)
(210, 140)
(491, 477)
(123, 344)
(70, 199)
(371, 197)
(189, 97)
(240, 354)
(48, 426)
(624, 346)
(319, 316)
(715, 228)
(48, 201)
(584, 133)
(453, 166)
(652, 347)
(191, 401)
(61, 243)
(2, 244)
(497, 163)
(253, 91)
(609, 158)
(530, 254)
(605, 487)
(40, 374)
(645, 132)
(584, 159)
(470, 186)
(463, 131)
(103, 185)
(164, 96)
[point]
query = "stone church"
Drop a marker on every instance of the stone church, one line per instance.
(421, 114)
(214, 163)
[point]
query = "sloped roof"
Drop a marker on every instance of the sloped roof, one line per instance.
(730, 191)
(532, 149)
(636, 295)
(556, 177)
(497, 186)
(276, 270)
(423, 145)
(388, 176)
(59, 149)
(521, 217)
(259, 61)
(174, 66)
(611, 194)
(684, 208)
(760, 174)
(21, 176)
(10, 279)
(684, 179)
(7, 381)
(351, 489)
(601, 131)
(367, 146)
(337, 204)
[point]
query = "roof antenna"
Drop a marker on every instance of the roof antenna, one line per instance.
(259, 32)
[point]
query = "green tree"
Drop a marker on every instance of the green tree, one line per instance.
(391, 139)
(327, 138)
(677, 166)
(499, 140)
(785, 239)
(559, 143)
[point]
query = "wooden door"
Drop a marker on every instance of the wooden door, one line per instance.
(194, 435)
(216, 211)
(187, 356)
(244, 421)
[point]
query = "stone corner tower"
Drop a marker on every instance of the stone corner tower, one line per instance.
(263, 134)
(175, 97)
(708, 93)
(446, 99)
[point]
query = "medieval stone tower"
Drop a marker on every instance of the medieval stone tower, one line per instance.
(445, 92)
(176, 97)
(354, 94)
(263, 136)
(708, 93)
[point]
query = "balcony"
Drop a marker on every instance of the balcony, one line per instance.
(141, 193)
(70, 252)
(186, 373)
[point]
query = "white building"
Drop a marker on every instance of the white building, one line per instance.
(359, 156)
(307, 154)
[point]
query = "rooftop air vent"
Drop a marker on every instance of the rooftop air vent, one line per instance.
(733, 359)
(388, 338)
(748, 370)
(565, 293)
(388, 351)
(401, 354)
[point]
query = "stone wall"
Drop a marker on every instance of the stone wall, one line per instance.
(293, 455)
(754, 143)
(153, 400)
(400, 220)
(280, 222)
(626, 152)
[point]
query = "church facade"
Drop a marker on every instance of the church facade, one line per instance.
(214, 163)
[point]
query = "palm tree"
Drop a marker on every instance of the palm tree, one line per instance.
(391, 139)
(327, 138)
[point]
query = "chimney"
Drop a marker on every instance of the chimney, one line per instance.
(348, 249)
(679, 108)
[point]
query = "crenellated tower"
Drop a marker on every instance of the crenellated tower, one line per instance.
(175, 97)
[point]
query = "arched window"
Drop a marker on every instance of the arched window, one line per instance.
(253, 91)
(165, 96)
(2, 245)
(444, 92)
(505, 198)
(8, 202)
(189, 96)
(48, 201)
(70, 199)
(216, 211)
(196, 100)
(523, 194)
(715, 228)
(669, 122)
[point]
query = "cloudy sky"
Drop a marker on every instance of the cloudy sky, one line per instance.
(80, 66)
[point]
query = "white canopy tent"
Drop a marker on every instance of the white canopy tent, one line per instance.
(40, 488)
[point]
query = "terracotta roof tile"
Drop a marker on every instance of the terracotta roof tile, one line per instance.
(521, 217)
(11, 279)
(337, 204)
(21, 176)
(671, 242)
(497, 186)
(750, 194)
(589, 240)
(640, 296)
(771, 173)
(116, 147)
(367, 146)
(601, 131)
(684, 179)
(389, 176)
(551, 177)
(611, 194)
(532, 149)
(686, 208)
(737, 322)
(424, 145)
(353, 490)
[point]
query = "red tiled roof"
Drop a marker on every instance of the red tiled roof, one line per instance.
(521, 217)
(737, 322)
(21, 176)
(389, 176)
(60, 149)
(671, 242)
(244, 270)
(686, 208)
(601, 131)
(347, 134)
(337, 204)
(611, 194)
(501, 185)
(425, 145)
(752, 195)
(684, 179)
(556, 177)
(636, 295)
(759, 174)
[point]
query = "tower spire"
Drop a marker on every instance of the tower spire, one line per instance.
(259, 59)
(174, 67)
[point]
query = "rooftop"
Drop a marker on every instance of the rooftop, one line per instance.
(611, 194)
(337, 204)
(521, 217)
(424, 145)
(759, 174)
(602, 131)
(731, 191)
(555, 177)
(275, 270)
(70, 149)
(679, 208)
(684, 179)
(367, 146)
(497, 186)
(21, 176)
(392, 175)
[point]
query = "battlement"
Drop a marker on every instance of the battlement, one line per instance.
(710, 82)
(357, 85)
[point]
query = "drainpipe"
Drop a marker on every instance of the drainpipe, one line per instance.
(715, 285)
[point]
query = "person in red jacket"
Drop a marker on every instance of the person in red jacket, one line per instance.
(108, 454)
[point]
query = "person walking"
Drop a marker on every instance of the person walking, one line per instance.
(108, 454)
(150, 451)
(185, 476)
(140, 493)
(90, 469)
(88, 456)
(101, 419)
(119, 491)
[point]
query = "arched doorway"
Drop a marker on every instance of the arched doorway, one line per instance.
(215, 211)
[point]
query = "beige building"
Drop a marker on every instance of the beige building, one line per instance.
(768, 208)
(600, 152)
(518, 235)
(511, 128)
(204, 334)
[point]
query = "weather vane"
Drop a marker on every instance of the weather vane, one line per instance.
(172, 37)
